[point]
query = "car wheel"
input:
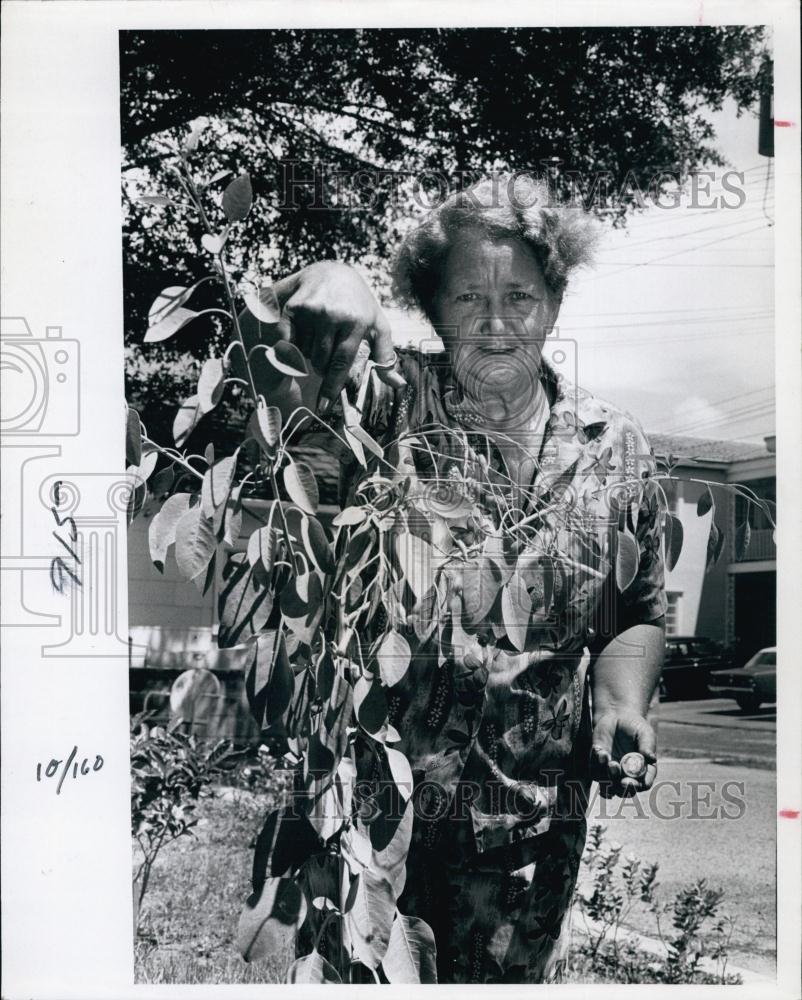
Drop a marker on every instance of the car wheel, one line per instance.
(748, 703)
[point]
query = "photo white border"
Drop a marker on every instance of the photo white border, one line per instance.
(66, 861)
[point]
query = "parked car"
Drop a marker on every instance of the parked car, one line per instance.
(688, 663)
(751, 685)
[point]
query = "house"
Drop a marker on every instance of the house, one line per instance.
(734, 602)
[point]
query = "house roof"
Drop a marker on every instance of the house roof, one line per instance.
(706, 449)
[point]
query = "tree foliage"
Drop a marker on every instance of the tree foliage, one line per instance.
(443, 105)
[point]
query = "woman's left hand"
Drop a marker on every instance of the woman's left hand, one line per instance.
(617, 732)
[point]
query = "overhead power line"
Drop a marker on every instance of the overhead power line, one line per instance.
(676, 253)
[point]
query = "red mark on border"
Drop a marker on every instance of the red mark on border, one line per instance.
(789, 813)
(783, 124)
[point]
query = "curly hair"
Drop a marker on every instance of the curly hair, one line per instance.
(562, 237)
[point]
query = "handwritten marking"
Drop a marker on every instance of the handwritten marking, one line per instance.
(52, 768)
(789, 813)
(58, 567)
(781, 123)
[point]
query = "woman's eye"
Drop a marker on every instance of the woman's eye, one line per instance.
(520, 296)
(468, 297)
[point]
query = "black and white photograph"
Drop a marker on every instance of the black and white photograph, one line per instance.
(407, 552)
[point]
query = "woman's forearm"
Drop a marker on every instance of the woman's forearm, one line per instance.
(626, 672)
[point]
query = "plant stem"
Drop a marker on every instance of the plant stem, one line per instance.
(285, 526)
(226, 284)
(173, 458)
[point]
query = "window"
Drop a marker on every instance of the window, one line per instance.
(767, 660)
(672, 612)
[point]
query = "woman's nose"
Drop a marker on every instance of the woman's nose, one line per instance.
(494, 325)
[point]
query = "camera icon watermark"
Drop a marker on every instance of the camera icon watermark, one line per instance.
(40, 381)
(64, 536)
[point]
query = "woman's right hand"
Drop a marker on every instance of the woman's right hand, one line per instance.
(331, 310)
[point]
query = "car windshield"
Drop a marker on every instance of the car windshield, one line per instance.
(767, 659)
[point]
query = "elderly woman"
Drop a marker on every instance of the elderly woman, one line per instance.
(507, 714)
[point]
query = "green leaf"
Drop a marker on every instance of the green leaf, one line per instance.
(394, 657)
(316, 544)
(217, 484)
(244, 605)
(141, 473)
(161, 533)
(155, 199)
(411, 952)
(284, 843)
(390, 833)
(170, 325)
(186, 420)
(287, 359)
(350, 516)
(211, 384)
(170, 299)
(627, 558)
(301, 486)
(675, 538)
(214, 243)
(269, 684)
(312, 968)
(264, 304)
(401, 771)
(133, 438)
(268, 419)
(516, 609)
(163, 481)
(481, 583)
(302, 611)
(370, 705)
(370, 919)
(705, 503)
(356, 447)
(270, 918)
(237, 198)
(359, 432)
(715, 544)
(262, 548)
(416, 559)
(194, 543)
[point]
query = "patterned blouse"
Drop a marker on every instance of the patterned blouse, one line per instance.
(519, 585)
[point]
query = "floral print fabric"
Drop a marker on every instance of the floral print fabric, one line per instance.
(494, 718)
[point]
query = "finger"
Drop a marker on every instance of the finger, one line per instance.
(614, 769)
(646, 739)
(604, 734)
(286, 287)
(380, 338)
(649, 778)
(337, 368)
(628, 787)
(599, 761)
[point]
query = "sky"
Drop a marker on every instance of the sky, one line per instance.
(674, 323)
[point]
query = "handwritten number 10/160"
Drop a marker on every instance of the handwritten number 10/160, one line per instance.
(58, 567)
(84, 768)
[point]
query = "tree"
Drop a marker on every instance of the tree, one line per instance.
(374, 109)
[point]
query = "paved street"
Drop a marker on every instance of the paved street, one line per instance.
(716, 728)
(711, 815)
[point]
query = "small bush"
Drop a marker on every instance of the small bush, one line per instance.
(616, 889)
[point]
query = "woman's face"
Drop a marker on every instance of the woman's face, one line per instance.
(494, 310)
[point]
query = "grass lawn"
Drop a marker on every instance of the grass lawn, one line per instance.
(188, 925)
